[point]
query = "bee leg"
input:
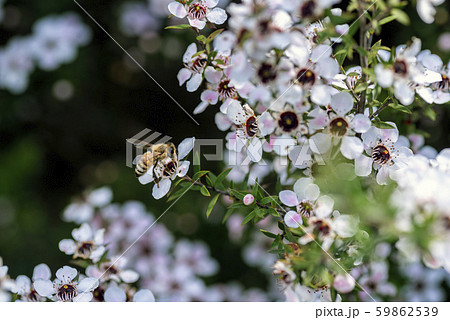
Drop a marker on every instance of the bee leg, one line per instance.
(154, 174)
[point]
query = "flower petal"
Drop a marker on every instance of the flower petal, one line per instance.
(144, 295)
(115, 294)
(292, 219)
(183, 75)
(190, 51)
(361, 123)
(83, 297)
(41, 271)
(288, 198)
(177, 9)
(363, 166)
(324, 207)
(183, 168)
(67, 246)
(342, 103)
(345, 226)
(351, 147)
(66, 273)
(185, 147)
(147, 177)
(195, 82)
(161, 190)
(129, 276)
(44, 287)
(88, 284)
(199, 24)
(217, 16)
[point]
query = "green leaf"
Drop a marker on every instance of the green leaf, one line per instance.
(382, 125)
(204, 191)
(268, 234)
(179, 27)
(222, 176)
(211, 205)
(249, 217)
(430, 113)
(212, 177)
(289, 235)
(400, 107)
(199, 174)
(237, 194)
(198, 53)
(213, 35)
(386, 20)
(401, 16)
(361, 87)
(201, 38)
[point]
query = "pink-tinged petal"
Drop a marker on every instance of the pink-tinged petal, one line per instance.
(222, 121)
(201, 107)
(342, 103)
(67, 246)
(41, 271)
(288, 198)
(209, 96)
(44, 287)
(363, 166)
(361, 123)
(66, 273)
(293, 220)
(328, 68)
(195, 82)
(391, 134)
(351, 147)
(177, 9)
(197, 23)
(161, 190)
(224, 106)
(185, 147)
(144, 295)
(217, 16)
(183, 168)
(344, 283)
(266, 124)
(212, 75)
(383, 175)
(183, 75)
(87, 284)
(324, 207)
(319, 119)
(147, 177)
(115, 294)
(190, 51)
(320, 143)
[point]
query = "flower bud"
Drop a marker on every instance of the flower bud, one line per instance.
(248, 199)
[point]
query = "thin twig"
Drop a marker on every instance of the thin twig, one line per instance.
(376, 113)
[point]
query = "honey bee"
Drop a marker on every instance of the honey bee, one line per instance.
(162, 158)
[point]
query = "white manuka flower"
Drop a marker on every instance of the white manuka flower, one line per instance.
(87, 245)
(439, 90)
(247, 130)
(406, 74)
(65, 288)
(315, 69)
(426, 10)
(384, 154)
(341, 126)
(285, 274)
(164, 176)
(193, 70)
(305, 198)
(25, 289)
(198, 12)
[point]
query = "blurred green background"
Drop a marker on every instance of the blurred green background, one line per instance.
(52, 150)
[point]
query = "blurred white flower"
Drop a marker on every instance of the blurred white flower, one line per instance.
(87, 245)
